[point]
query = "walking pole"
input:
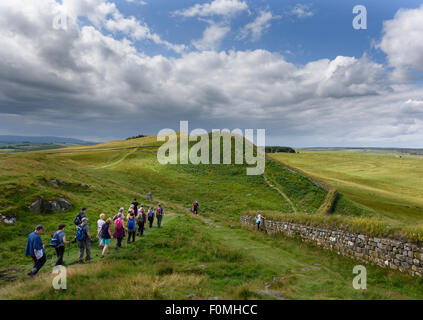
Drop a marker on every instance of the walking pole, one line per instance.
(52, 257)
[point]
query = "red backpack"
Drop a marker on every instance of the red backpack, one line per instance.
(118, 224)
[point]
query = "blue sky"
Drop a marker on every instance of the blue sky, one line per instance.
(295, 68)
(326, 34)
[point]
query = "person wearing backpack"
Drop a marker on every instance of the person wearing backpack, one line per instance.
(130, 211)
(131, 227)
(151, 216)
(119, 233)
(84, 240)
(135, 204)
(35, 250)
(78, 219)
(118, 214)
(105, 235)
(195, 206)
(58, 243)
(159, 215)
(141, 219)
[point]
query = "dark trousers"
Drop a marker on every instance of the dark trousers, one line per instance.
(60, 251)
(258, 225)
(151, 220)
(131, 233)
(38, 264)
(141, 228)
(119, 242)
(159, 220)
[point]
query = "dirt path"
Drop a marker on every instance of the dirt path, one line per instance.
(118, 161)
(101, 149)
(281, 193)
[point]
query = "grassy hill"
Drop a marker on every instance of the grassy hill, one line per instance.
(196, 257)
(388, 184)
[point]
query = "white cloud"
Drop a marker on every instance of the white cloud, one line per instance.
(140, 2)
(212, 37)
(258, 26)
(104, 14)
(301, 11)
(216, 7)
(83, 82)
(402, 42)
(412, 106)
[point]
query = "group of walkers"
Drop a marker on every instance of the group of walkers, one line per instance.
(133, 224)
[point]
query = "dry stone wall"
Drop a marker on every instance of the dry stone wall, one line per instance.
(395, 254)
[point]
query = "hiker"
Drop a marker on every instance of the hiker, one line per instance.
(100, 223)
(195, 206)
(84, 240)
(135, 204)
(141, 218)
(119, 233)
(58, 242)
(35, 250)
(105, 235)
(130, 211)
(159, 215)
(118, 214)
(259, 220)
(151, 216)
(132, 229)
(79, 216)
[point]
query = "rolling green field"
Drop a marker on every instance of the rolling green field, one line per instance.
(386, 183)
(189, 257)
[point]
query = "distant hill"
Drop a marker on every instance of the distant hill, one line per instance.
(276, 149)
(411, 151)
(8, 139)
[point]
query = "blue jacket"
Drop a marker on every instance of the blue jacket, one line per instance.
(33, 243)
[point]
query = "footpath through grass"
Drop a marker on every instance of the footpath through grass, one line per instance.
(200, 258)
(188, 257)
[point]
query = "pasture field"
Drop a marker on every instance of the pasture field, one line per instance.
(189, 257)
(386, 183)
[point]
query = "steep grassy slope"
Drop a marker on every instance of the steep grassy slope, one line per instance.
(306, 196)
(169, 262)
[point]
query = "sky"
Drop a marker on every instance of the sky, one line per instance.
(103, 70)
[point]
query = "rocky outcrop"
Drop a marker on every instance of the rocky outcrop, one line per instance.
(56, 183)
(149, 196)
(8, 219)
(58, 204)
(394, 254)
(53, 183)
